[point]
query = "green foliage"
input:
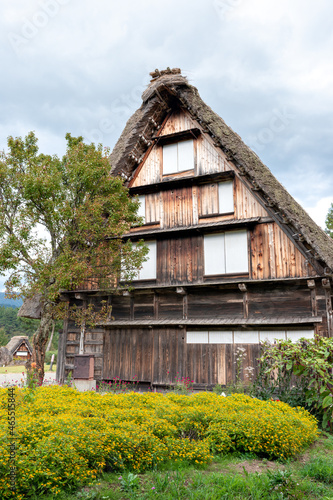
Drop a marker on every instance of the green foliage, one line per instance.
(282, 483)
(83, 211)
(320, 468)
(4, 339)
(329, 222)
(299, 373)
(129, 482)
(81, 207)
(13, 325)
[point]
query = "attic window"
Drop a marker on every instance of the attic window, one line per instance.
(226, 253)
(178, 157)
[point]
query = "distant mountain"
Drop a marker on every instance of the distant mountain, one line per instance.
(9, 302)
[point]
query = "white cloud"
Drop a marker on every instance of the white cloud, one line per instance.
(83, 67)
(318, 212)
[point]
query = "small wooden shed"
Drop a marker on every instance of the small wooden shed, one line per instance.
(233, 259)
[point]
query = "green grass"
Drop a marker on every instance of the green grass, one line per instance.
(234, 477)
(21, 368)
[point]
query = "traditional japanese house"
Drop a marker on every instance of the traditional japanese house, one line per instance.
(20, 348)
(233, 260)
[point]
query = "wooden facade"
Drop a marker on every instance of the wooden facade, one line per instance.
(232, 265)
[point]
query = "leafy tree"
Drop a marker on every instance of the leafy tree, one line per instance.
(329, 222)
(4, 338)
(13, 325)
(61, 222)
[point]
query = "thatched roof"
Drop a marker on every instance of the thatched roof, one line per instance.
(15, 343)
(31, 308)
(168, 90)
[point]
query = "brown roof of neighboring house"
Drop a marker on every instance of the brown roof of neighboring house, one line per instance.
(169, 89)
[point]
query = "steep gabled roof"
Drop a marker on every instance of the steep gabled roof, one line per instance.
(16, 342)
(169, 89)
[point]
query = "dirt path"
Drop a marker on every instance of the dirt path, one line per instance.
(19, 378)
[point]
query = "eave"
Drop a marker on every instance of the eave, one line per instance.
(198, 228)
(226, 321)
(176, 183)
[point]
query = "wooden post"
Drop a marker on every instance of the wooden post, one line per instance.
(243, 289)
(328, 298)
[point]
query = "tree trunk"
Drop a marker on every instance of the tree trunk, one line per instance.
(39, 341)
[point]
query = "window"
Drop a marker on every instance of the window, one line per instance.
(245, 337)
(226, 197)
(226, 253)
(148, 270)
(178, 157)
(216, 198)
(142, 207)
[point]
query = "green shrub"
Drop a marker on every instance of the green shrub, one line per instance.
(65, 439)
(299, 374)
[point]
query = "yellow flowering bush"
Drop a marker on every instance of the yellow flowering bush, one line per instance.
(65, 438)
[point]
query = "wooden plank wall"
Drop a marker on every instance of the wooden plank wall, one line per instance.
(161, 356)
(209, 158)
(273, 254)
(128, 354)
(177, 208)
(209, 304)
(178, 121)
(179, 260)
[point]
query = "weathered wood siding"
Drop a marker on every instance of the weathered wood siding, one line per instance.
(274, 255)
(128, 354)
(208, 158)
(160, 356)
(177, 208)
(179, 260)
(178, 121)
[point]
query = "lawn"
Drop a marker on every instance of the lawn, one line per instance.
(21, 368)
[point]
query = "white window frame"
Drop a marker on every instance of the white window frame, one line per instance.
(178, 157)
(235, 337)
(220, 257)
(226, 197)
(148, 269)
(142, 207)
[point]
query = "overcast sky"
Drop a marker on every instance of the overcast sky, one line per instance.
(265, 66)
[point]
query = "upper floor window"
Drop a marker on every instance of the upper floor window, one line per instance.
(216, 199)
(226, 253)
(142, 207)
(226, 197)
(148, 269)
(178, 157)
